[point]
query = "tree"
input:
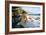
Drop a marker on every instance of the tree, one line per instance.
(20, 11)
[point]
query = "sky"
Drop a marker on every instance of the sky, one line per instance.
(31, 10)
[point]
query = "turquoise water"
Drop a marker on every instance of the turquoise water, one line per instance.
(33, 24)
(34, 14)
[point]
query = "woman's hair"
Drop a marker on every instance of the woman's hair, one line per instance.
(24, 12)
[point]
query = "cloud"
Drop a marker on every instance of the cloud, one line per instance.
(31, 10)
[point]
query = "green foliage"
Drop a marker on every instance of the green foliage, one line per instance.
(20, 11)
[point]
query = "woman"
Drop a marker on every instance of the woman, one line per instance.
(23, 18)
